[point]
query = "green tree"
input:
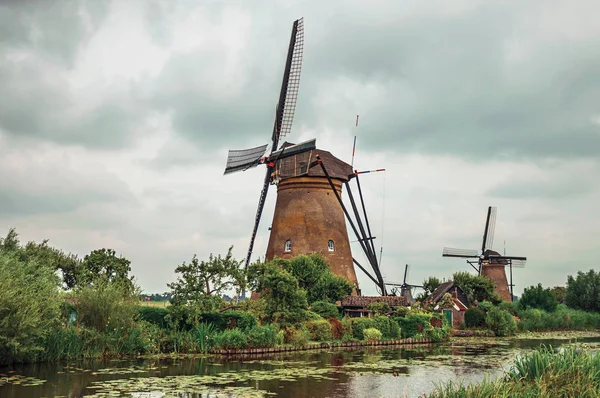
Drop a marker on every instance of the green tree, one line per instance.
(583, 291)
(560, 293)
(279, 289)
(430, 284)
(67, 264)
(478, 288)
(29, 305)
(501, 322)
(314, 275)
(538, 297)
(200, 280)
(103, 266)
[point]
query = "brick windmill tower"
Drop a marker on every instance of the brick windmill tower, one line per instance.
(490, 263)
(309, 213)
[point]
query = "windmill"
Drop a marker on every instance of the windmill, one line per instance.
(490, 263)
(309, 213)
(405, 288)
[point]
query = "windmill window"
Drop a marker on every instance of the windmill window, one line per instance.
(330, 245)
(288, 246)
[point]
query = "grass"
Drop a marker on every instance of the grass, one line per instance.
(545, 372)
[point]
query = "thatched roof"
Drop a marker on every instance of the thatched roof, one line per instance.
(364, 301)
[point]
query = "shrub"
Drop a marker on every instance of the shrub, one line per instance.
(230, 339)
(379, 308)
(401, 311)
(388, 327)
(475, 317)
(371, 334)
(319, 330)
(311, 316)
(325, 309)
(296, 337)
(262, 336)
(337, 328)
(486, 306)
(409, 326)
(359, 325)
(501, 322)
(154, 315)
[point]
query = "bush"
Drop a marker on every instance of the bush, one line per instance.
(325, 309)
(296, 337)
(372, 334)
(230, 339)
(486, 306)
(337, 328)
(154, 315)
(263, 336)
(401, 311)
(379, 308)
(359, 325)
(475, 317)
(319, 330)
(388, 327)
(311, 316)
(501, 322)
(409, 326)
(204, 335)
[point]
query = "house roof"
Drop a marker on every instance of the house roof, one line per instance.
(363, 301)
(440, 291)
(460, 304)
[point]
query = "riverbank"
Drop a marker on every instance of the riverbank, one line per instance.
(545, 372)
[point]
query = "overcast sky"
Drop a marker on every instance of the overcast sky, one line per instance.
(116, 118)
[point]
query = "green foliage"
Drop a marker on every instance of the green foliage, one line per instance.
(29, 304)
(379, 308)
(325, 309)
(387, 326)
(401, 311)
(439, 334)
(359, 325)
(474, 317)
(501, 322)
(230, 339)
(154, 315)
(478, 288)
(200, 279)
(263, 336)
(372, 334)
(538, 297)
(409, 325)
(545, 372)
(583, 291)
(315, 277)
(319, 330)
(560, 293)
(430, 284)
(562, 318)
(284, 300)
(106, 306)
(204, 336)
(103, 266)
(311, 316)
(486, 306)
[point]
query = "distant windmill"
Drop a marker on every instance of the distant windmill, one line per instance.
(406, 288)
(489, 262)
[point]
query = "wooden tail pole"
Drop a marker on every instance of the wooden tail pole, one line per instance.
(368, 171)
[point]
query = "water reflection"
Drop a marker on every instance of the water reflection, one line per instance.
(401, 371)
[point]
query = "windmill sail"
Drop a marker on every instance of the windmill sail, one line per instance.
(243, 159)
(490, 226)
(288, 95)
(462, 253)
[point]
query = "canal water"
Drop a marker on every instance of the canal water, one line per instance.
(403, 371)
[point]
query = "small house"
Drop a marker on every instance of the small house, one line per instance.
(356, 306)
(455, 313)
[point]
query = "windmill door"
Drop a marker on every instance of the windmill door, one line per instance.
(448, 316)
